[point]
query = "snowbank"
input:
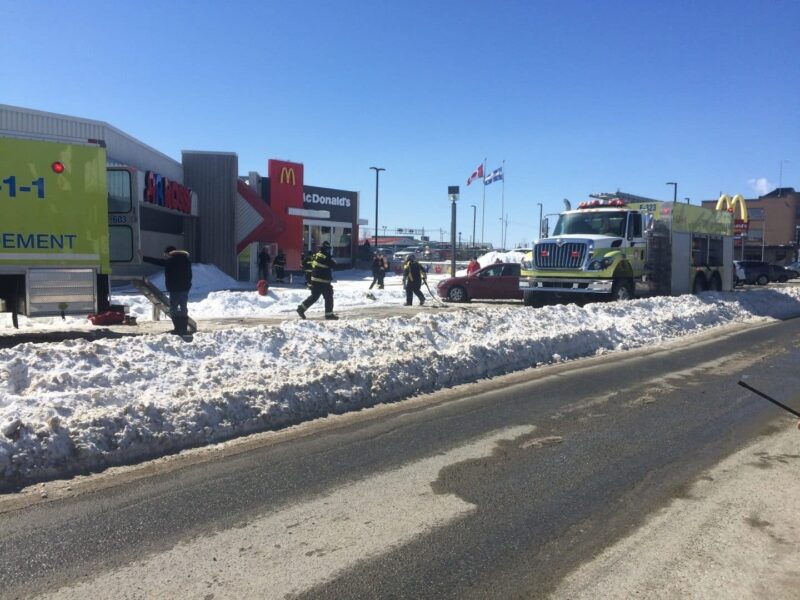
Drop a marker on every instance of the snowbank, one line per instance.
(77, 405)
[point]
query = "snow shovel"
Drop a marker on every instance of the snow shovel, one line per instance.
(435, 299)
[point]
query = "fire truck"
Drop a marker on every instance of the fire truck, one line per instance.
(619, 246)
(67, 217)
(54, 239)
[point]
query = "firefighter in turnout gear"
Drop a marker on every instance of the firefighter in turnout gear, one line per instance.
(413, 277)
(321, 277)
(305, 262)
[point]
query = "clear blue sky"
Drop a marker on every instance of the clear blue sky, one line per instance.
(576, 97)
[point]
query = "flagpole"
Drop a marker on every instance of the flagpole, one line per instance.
(483, 202)
(503, 206)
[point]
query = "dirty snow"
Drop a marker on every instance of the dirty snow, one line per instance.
(81, 404)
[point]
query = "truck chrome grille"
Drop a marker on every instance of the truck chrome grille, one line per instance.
(549, 255)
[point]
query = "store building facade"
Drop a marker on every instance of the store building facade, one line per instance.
(773, 228)
(155, 201)
(245, 213)
(149, 207)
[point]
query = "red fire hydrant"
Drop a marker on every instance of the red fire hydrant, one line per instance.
(262, 286)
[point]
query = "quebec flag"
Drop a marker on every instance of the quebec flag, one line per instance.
(496, 175)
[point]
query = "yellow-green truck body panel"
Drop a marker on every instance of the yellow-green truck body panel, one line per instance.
(50, 218)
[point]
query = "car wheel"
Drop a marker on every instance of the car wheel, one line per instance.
(762, 279)
(457, 294)
(621, 289)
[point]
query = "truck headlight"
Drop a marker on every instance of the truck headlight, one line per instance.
(600, 264)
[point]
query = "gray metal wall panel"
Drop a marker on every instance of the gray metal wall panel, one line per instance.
(37, 124)
(132, 152)
(213, 176)
(121, 147)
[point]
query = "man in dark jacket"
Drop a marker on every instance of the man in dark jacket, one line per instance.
(263, 264)
(321, 277)
(178, 279)
(413, 277)
(280, 265)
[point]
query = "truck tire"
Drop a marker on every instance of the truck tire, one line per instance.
(621, 289)
(532, 299)
(699, 284)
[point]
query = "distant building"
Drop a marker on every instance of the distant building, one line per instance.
(773, 227)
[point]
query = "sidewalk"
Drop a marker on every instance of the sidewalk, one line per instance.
(735, 535)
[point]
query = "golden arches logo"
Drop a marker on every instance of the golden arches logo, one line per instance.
(725, 202)
(287, 176)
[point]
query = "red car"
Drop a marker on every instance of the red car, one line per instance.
(499, 281)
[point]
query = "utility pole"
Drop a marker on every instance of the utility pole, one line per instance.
(377, 173)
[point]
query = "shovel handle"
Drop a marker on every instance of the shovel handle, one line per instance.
(775, 402)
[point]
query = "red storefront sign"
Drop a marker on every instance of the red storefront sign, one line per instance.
(170, 194)
(285, 192)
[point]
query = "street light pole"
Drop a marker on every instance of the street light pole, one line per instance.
(474, 212)
(377, 173)
(674, 190)
(452, 194)
(539, 235)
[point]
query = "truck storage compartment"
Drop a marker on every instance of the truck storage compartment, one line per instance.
(53, 292)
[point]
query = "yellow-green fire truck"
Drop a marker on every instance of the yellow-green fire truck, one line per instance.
(54, 241)
(618, 246)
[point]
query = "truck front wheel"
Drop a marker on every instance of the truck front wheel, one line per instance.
(532, 299)
(622, 289)
(699, 284)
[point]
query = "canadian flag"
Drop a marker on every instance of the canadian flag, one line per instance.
(477, 174)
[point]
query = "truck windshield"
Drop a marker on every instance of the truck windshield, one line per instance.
(591, 223)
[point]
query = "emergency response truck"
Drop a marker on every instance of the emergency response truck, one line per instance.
(617, 246)
(54, 238)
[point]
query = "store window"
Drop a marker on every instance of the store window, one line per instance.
(243, 264)
(339, 236)
(341, 242)
(319, 234)
(756, 214)
(119, 191)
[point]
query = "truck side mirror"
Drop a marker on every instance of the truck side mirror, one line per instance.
(545, 228)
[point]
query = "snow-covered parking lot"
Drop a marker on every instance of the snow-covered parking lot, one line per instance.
(75, 405)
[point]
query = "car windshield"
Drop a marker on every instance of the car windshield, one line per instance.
(591, 223)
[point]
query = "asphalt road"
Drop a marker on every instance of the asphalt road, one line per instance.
(494, 490)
